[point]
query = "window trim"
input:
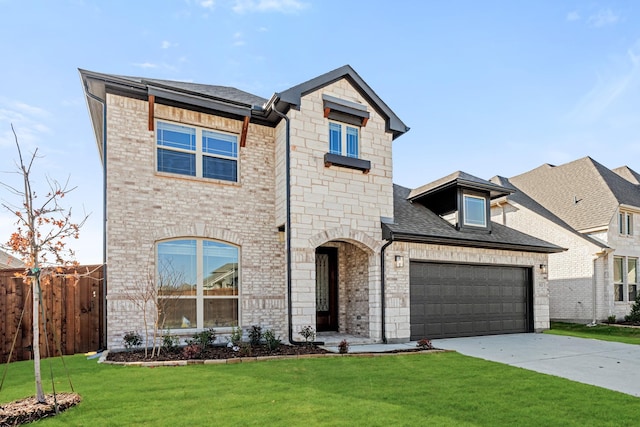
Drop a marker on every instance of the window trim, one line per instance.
(199, 296)
(625, 223)
(344, 142)
(465, 221)
(199, 151)
(622, 286)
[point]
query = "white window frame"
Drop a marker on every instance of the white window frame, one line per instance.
(625, 223)
(199, 296)
(343, 138)
(624, 284)
(199, 152)
(464, 211)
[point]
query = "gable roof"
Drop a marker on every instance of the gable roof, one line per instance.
(458, 179)
(292, 96)
(413, 222)
(629, 174)
(524, 200)
(582, 193)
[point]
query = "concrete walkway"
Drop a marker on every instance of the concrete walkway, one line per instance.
(610, 365)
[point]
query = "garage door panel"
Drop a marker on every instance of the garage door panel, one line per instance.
(449, 300)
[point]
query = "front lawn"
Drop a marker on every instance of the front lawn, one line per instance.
(414, 389)
(625, 335)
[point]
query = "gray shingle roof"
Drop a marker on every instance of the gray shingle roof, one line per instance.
(458, 178)
(414, 222)
(9, 261)
(629, 174)
(582, 193)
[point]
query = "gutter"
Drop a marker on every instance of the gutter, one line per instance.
(102, 102)
(288, 221)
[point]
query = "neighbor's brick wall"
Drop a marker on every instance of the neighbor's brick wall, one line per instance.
(397, 283)
(334, 203)
(144, 206)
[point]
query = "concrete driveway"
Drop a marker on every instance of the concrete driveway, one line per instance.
(605, 364)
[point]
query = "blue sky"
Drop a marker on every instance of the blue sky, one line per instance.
(487, 87)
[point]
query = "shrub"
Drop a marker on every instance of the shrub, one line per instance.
(255, 335)
(634, 315)
(236, 336)
(343, 347)
(192, 351)
(245, 350)
(170, 343)
(424, 344)
(271, 340)
(132, 339)
(203, 339)
(308, 333)
(611, 319)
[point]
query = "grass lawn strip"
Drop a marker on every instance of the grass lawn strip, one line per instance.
(627, 335)
(416, 389)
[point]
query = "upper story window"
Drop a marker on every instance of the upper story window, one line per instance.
(343, 140)
(194, 151)
(197, 284)
(625, 223)
(474, 211)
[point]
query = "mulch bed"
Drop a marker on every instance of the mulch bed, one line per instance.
(29, 410)
(216, 352)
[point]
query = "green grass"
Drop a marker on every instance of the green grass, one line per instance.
(407, 390)
(599, 332)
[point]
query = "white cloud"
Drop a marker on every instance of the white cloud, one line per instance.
(167, 44)
(238, 40)
(618, 84)
(29, 122)
(283, 6)
(602, 18)
(208, 4)
(145, 65)
(573, 16)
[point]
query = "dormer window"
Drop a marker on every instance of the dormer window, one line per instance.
(475, 211)
(625, 223)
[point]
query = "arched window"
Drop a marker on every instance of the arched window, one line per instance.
(197, 282)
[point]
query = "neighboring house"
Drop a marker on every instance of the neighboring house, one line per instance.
(9, 261)
(282, 213)
(595, 213)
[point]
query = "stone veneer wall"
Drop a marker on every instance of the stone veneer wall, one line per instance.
(353, 294)
(334, 203)
(397, 283)
(144, 206)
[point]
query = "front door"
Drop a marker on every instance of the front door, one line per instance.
(326, 289)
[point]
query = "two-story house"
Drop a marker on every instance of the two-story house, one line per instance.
(594, 212)
(282, 213)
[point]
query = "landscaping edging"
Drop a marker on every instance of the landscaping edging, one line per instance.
(235, 360)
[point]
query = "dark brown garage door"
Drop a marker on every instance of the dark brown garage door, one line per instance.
(462, 300)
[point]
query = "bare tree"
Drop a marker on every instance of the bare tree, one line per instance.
(155, 296)
(43, 228)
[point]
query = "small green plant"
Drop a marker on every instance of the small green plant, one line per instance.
(203, 339)
(236, 336)
(611, 319)
(308, 333)
(170, 343)
(343, 347)
(192, 351)
(271, 340)
(255, 335)
(245, 349)
(634, 315)
(424, 344)
(132, 339)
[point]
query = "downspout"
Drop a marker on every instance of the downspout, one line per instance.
(382, 283)
(288, 223)
(104, 214)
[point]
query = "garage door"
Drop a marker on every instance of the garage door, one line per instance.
(462, 300)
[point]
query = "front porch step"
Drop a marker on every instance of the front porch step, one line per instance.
(334, 338)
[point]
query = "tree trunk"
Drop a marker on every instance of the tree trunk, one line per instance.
(36, 336)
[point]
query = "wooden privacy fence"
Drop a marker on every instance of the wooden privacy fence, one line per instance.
(74, 308)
